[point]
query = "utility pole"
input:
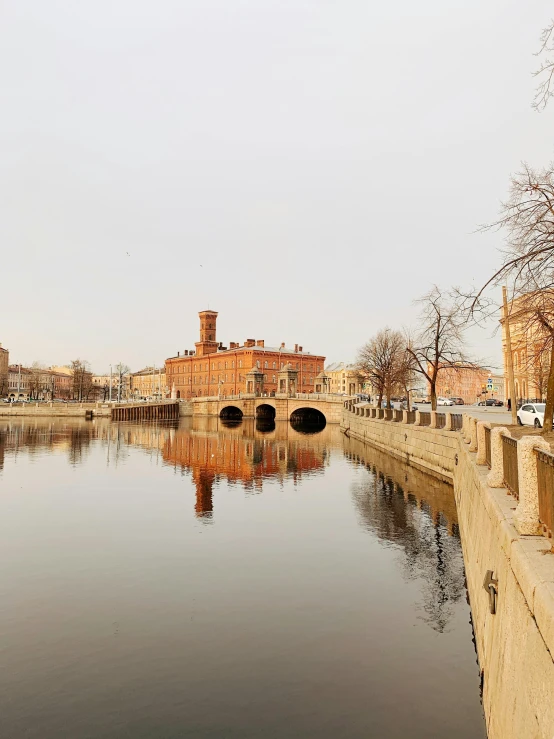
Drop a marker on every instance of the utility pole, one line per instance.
(119, 385)
(110, 390)
(510, 362)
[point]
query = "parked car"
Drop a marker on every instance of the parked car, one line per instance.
(531, 414)
(458, 401)
(445, 401)
(490, 402)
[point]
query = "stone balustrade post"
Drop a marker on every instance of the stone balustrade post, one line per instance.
(404, 416)
(472, 434)
(466, 436)
(449, 425)
(481, 451)
(417, 421)
(495, 478)
(526, 516)
(433, 423)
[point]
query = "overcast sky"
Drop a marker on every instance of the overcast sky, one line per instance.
(305, 167)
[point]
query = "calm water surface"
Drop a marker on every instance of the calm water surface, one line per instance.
(212, 581)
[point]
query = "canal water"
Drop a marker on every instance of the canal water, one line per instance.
(219, 580)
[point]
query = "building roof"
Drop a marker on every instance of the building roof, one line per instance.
(149, 371)
(337, 366)
(255, 348)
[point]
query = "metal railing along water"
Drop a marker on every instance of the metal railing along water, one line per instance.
(425, 418)
(441, 420)
(545, 480)
(509, 455)
(457, 421)
(411, 416)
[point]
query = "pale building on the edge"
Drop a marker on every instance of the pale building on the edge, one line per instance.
(530, 350)
(149, 382)
(4, 363)
(347, 378)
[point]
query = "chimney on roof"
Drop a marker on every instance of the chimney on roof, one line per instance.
(260, 342)
(296, 348)
(178, 353)
(299, 348)
(282, 345)
(250, 342)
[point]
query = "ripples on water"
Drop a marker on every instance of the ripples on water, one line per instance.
(227, 580)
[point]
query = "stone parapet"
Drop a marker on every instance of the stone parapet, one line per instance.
(515, 643)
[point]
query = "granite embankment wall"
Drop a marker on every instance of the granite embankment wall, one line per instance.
(515, 645)
(74, 410)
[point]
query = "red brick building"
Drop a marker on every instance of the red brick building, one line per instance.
(214, 369)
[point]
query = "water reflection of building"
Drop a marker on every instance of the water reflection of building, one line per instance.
(417, 513)
(244, 455)
(32, 436)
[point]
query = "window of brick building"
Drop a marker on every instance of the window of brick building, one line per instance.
(265, 365)
(274, 365)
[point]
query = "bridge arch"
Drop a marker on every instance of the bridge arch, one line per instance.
(309, 420)
(231, 413)
(265, 411)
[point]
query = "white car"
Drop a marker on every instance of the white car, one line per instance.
(531, 414)
(444, 401)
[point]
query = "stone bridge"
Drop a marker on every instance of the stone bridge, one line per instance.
(278, 408)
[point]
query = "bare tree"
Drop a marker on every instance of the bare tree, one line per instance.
(120, 371)
(38, 384)
(527, 218)
(82, 379)
(382, 360)
(545, 72)
(438, 343)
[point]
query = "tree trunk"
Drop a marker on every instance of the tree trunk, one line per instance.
(549, 410)
(433, 395)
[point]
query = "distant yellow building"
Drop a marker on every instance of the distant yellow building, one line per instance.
(347, 379)
(148, 383)
(530, 349)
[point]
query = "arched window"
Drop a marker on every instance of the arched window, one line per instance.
(233, 364)
(265, 365)
(274, 379)
(213, 365)
(281, 365)
(240, 362)
(258, 364)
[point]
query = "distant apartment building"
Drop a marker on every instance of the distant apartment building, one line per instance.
(149, 382)
(38, 383)
(469, 383)
(347, 378)
(4, 363)
(18, 382)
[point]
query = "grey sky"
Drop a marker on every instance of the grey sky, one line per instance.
(324, 162)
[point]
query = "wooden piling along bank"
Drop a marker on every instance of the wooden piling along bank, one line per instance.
(161, 412)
